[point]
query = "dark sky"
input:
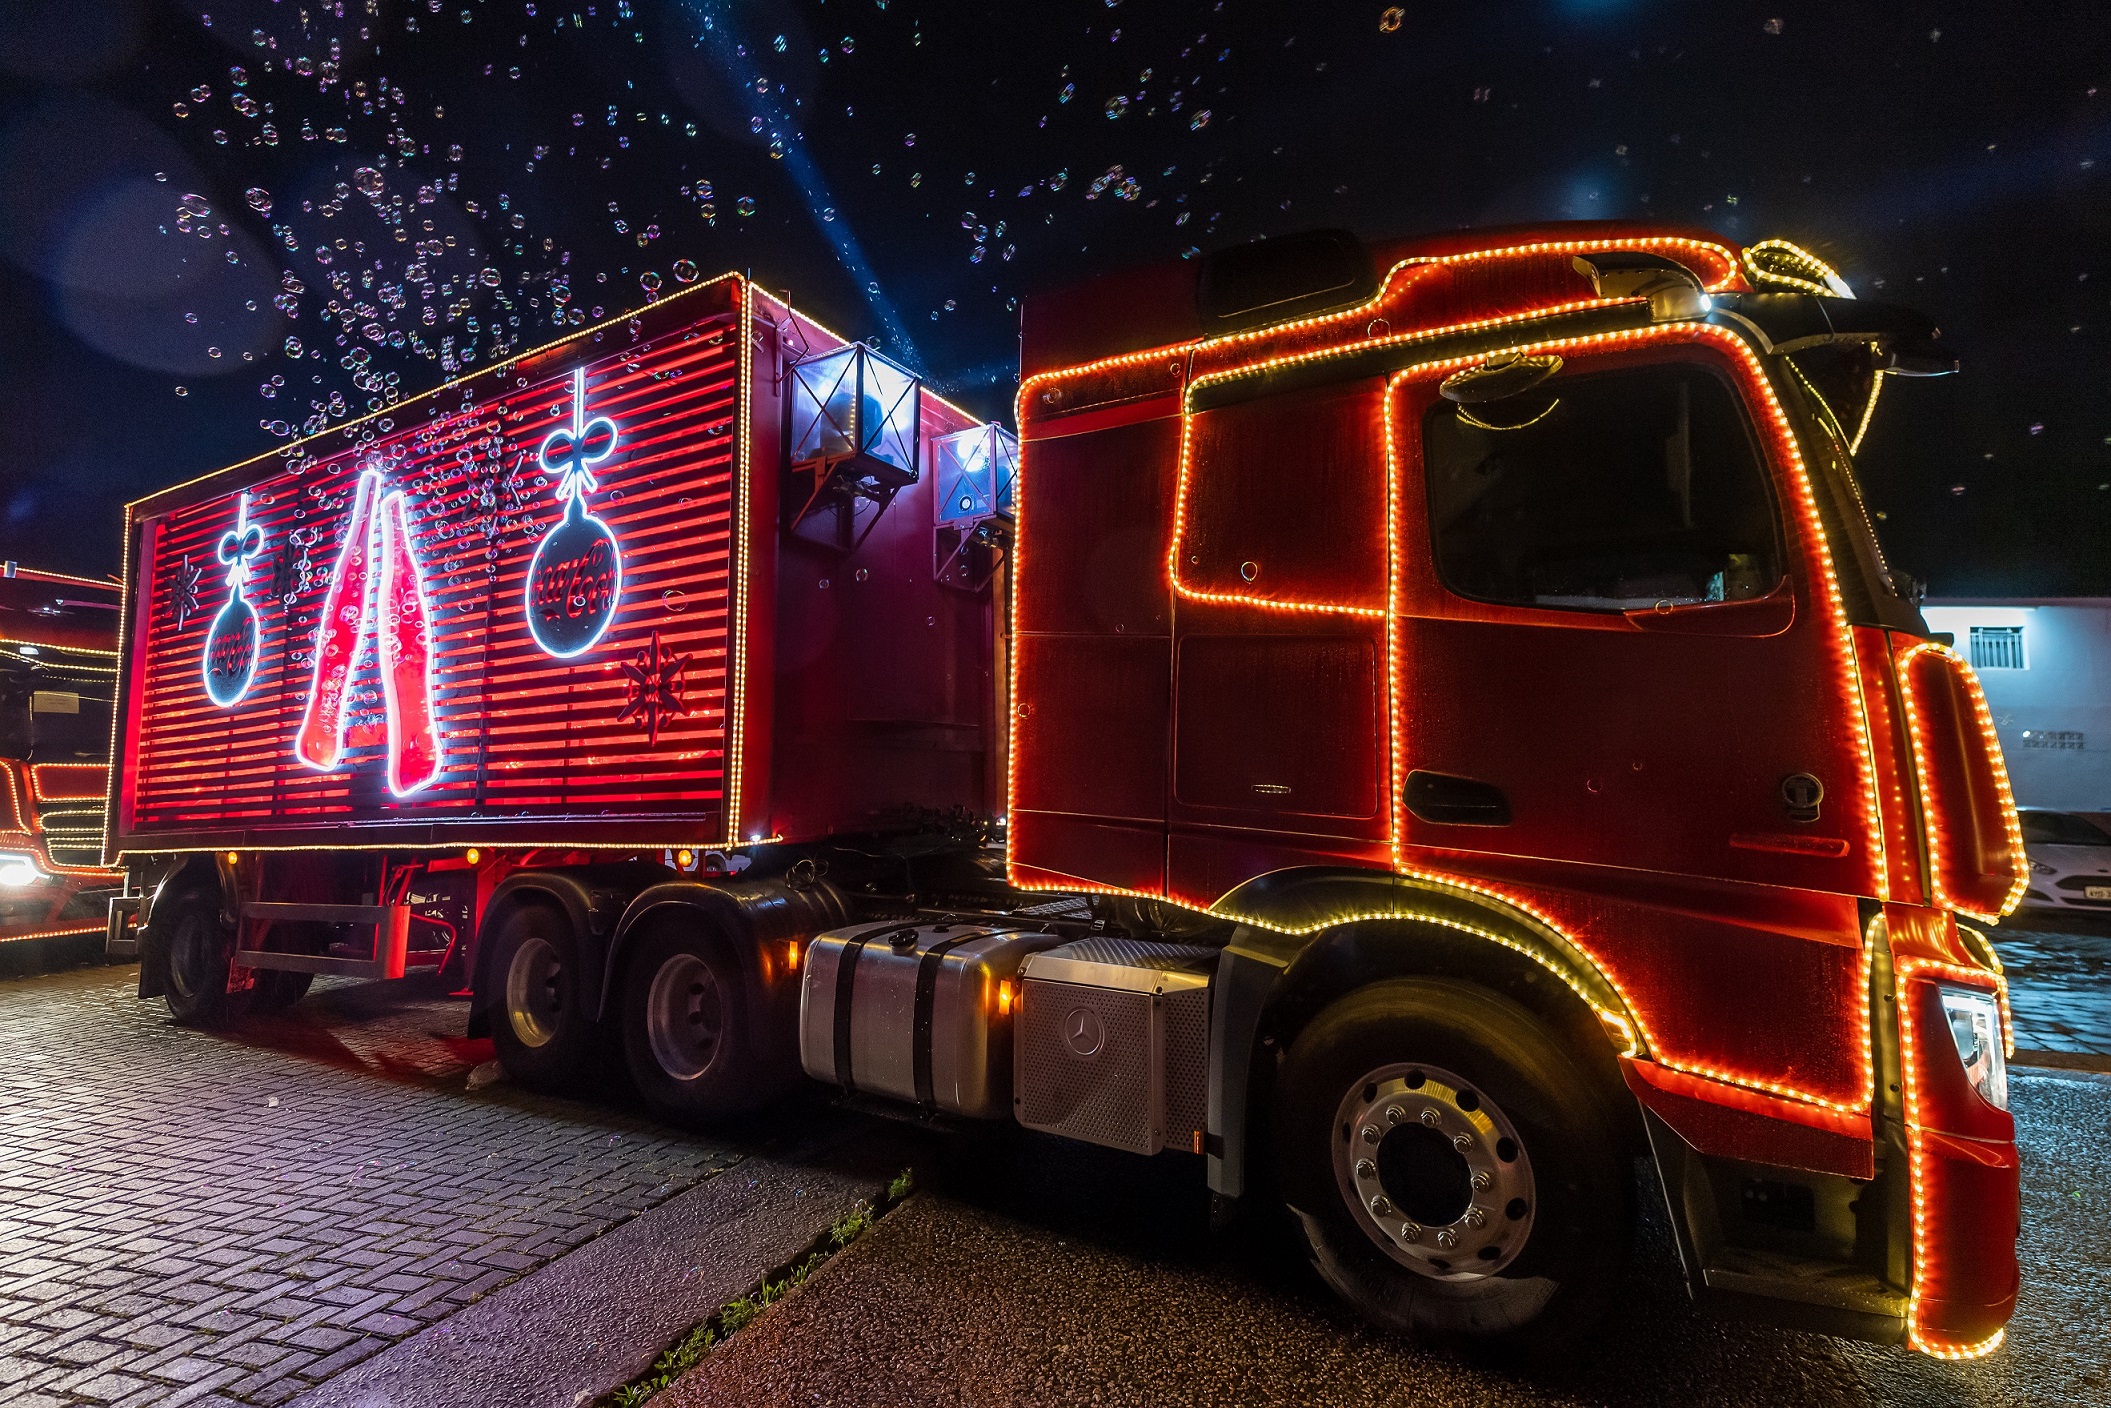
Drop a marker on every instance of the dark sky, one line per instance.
(908, 169)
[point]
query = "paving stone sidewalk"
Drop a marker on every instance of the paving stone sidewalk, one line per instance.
(194, 1218)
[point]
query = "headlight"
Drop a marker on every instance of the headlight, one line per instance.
(16, 869)
(2039, 867)
(1975, 1025)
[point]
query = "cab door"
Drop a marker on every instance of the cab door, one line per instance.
(1616, 643)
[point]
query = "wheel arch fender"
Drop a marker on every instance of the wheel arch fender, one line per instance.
(1305, 937)
(565, 891)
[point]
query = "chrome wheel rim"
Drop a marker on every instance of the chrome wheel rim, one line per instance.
(533, 1003)
(684, 1016)
(1433, 1172)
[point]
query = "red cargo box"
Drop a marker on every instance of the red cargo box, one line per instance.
(552, 603)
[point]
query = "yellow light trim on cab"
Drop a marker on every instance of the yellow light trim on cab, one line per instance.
(1825, 281)
(1876, 386)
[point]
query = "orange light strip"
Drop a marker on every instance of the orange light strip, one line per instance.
(36, 782)
(97, 927)
(1917, 1157)
(2012, 826)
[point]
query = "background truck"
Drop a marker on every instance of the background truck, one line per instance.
(1419, 726)
(58, 643)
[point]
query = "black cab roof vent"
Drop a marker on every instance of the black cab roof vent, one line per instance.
(1269, 281)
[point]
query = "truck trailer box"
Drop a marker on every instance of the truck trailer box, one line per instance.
(550, 603)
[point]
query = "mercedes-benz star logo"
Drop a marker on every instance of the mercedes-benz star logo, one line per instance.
(1082, 1032)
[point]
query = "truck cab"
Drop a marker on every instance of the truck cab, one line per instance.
(1488, 629)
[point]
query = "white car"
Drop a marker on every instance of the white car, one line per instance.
(2070, 861)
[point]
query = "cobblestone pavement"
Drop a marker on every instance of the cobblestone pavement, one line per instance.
(2059, 983)
(189, 1217)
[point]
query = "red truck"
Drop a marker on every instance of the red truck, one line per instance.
(1418, 725)
(58, 669)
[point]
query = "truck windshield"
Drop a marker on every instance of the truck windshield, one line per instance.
(1636, 487)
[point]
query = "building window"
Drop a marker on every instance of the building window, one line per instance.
(1997, 648)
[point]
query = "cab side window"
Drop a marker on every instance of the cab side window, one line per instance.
(1609, 491)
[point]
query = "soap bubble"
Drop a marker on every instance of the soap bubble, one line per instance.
(1391, 18)
(1199, 121)
(259, 199)
(1116, 106)
(368, 180)
(684, 271)
(745, 205)
(650, 282)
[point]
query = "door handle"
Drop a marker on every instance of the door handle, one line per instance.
(1456, 801)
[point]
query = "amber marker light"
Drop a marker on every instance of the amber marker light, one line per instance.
(472, 855)
(791, 956)
(233, 857)
(1004, 997)
(685, 859)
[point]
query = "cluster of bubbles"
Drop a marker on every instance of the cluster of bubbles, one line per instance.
(415, 250)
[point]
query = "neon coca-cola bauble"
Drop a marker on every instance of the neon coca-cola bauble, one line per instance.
(575, 577)
(234, 639)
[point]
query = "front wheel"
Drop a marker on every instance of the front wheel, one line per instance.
(540, 1027)
(201, 950)
(1456, 1177)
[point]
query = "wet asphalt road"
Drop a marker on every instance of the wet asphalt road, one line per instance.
(1032, 1272)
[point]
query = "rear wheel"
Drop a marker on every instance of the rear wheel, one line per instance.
(201, 950)
(541, 1029)
(1456, 1177)
(685, 1028)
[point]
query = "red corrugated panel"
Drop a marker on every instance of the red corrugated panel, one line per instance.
(523, 734)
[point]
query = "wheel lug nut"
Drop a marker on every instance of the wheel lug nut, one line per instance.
(1481, 1180)
(1366, 1169)
(1410, 1231)
(1370, 1134)
(1475, 1217)
(1430, 1115)
(1381, 1205)
(1447, 1239)
(1462, 1142)
(1394, 1114)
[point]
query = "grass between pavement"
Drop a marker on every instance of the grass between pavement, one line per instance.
(690, 1350)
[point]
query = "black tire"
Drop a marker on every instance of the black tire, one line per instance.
(201, 951)
(276, 989)
(686, 1029)
(1542, 1191)
(543, 1033)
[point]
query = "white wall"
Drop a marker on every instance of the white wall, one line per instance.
(2064, 687)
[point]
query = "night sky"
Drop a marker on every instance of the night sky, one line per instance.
(192, 191)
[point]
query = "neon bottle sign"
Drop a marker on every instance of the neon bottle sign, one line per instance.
(576, 575)
(232, 641)
(377, 589)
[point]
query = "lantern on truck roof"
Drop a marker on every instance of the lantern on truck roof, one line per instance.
(851, 442)
(973, 474)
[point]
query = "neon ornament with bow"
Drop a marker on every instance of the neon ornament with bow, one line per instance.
(232, 641)
(576, 575)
